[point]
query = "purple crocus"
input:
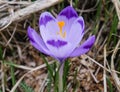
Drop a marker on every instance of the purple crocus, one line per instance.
(60, 37)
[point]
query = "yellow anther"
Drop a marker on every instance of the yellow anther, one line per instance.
(61, 24)
(64, 34)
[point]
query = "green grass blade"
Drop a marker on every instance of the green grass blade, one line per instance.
(113, 29)
(10, 63)
(56, 79)
(51, 79)
(25, 87)
(65, 73)
(49, 82)
(48, 66)
(98, 10)
(12, 73)
(1, 53)
(76, 83)
(97, 17)
(110, 85)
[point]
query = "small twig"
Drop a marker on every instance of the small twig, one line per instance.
(41, 89)
(104, 73)
(99, 34)
(103, 43)
(97, 63)
(2, 7)
(97, 71)
(113, 73)
(83, 6)
(90, 9)
(71, 3)
(117, 7)
(93, 76)
(5, 39)
(86, 65)
(108, 70)
(11, 36)
(16, 2)
(9, 21)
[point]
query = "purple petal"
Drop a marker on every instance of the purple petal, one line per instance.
(59, 49)
(81, 22)
(49, 31)
(36, 41)
(57, 43)
(84, 48)
(45, 18)
(76, 32)
(68, 15)
(68, 12)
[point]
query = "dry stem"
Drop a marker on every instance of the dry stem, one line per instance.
(113, 73)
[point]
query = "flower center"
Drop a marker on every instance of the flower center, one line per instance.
(61, 24)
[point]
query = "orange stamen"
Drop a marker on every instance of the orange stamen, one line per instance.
(61, 25)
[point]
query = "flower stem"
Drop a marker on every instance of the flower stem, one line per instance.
(61, 77)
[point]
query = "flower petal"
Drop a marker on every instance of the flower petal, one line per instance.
(49, 27)
(85, 47)
(68, 12)
(76, 32)
(81, 22)
(36, 41)
(60, 49)
(68, 15)
(45, 18)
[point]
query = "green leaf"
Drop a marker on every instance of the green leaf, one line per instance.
(12, 73)
(56, 80)
(49, 82)
(65, 73)
(48, 66)
(113, 29)
(97, 17)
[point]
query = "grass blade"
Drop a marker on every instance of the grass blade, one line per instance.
(110, 85)
(113, 29)
(65, 73)
(12, 75)
(48, 66)
(25, 87)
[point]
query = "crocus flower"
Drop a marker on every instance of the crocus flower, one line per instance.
(60, 37)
